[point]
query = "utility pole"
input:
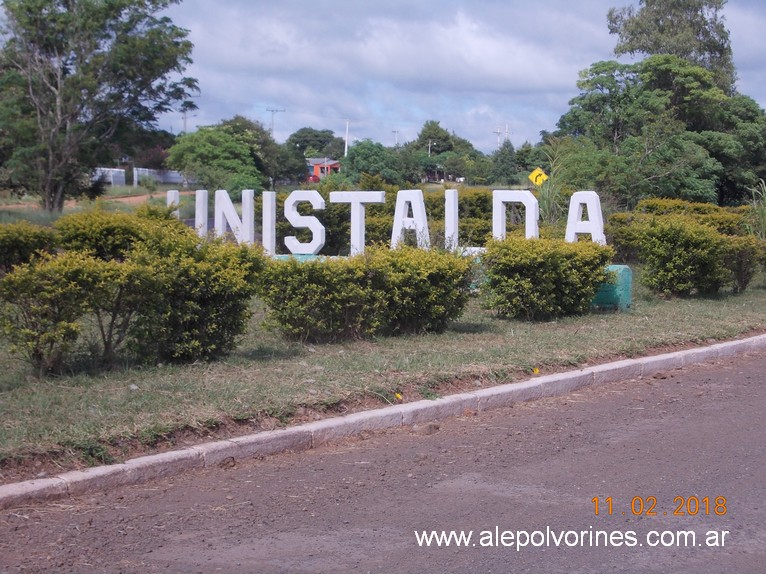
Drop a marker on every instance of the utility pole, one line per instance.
(497, 132)
(396, 133)
(345, 149)
(273, 111)
(184, 114)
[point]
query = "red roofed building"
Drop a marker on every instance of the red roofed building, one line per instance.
(319, 167)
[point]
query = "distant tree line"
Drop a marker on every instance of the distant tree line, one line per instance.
(74, 96)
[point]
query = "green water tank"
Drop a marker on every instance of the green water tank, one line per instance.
(617, 295)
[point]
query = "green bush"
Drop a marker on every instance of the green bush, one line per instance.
(107, 235)
(19, 242)
(474, 231)
(161, 233)
(206, 288)
(475, 203)
(741, 256)
(625, 232)
(117, 293)
(41, 304)
(724, 222)
(543, 278)
(425, 289)
(377, 229)
(381, 292)
(660, 206)
(683, 256)
(163, 292)
(322, 300)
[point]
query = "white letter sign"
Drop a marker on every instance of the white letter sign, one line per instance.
(308, 221)
(406, 199)
(595, 222)
(357, 199)
(531, 211)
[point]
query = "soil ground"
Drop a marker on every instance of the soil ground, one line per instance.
(355, 506)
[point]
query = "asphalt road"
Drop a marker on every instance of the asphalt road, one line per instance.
(690, 441)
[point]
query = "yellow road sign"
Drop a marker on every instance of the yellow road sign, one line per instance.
(538, 176)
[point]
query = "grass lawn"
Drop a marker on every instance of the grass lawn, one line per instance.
(81, 419)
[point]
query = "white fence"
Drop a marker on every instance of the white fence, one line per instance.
(109, 175)
(158, 175)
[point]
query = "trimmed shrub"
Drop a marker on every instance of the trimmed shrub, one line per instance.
(43, 302)
(625, 232)
(475, 203)
(384, 291)
(425, 289)
(378, 229)
(475, 232)
(683, 256)
(107, 235)
(322, 300)
(206, 291)
(660, 206)
(19, 242)
(741, 256)
(117, 293)
(161, 291)
(724, 222)
(543, 278)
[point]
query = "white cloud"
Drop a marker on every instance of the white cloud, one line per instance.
(475, 67)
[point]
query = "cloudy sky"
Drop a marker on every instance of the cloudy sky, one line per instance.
(386, 67)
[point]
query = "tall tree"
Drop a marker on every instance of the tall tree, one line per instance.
(434, 139)
(690, 29)
(668, 132)
(324, 142)
(216, 158)
(372, 158)
(504, 168)
(264, 151)
(87, 66)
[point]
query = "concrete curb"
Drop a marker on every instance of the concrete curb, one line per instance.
(312, 435)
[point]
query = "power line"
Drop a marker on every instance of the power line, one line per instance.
(273, 111)
(498, 132)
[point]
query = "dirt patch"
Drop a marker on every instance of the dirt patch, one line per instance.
(354, 505)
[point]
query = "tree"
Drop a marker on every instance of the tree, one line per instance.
(690, 29)
(216, 159)
(478, 168)
(16, 127)
(605, 105)
(373, 158)
(143, 146)
(323, 142)
(504, 168)
(264, 151)
(86, 67)
(663, 128)
(528, 157)
(433, 138)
